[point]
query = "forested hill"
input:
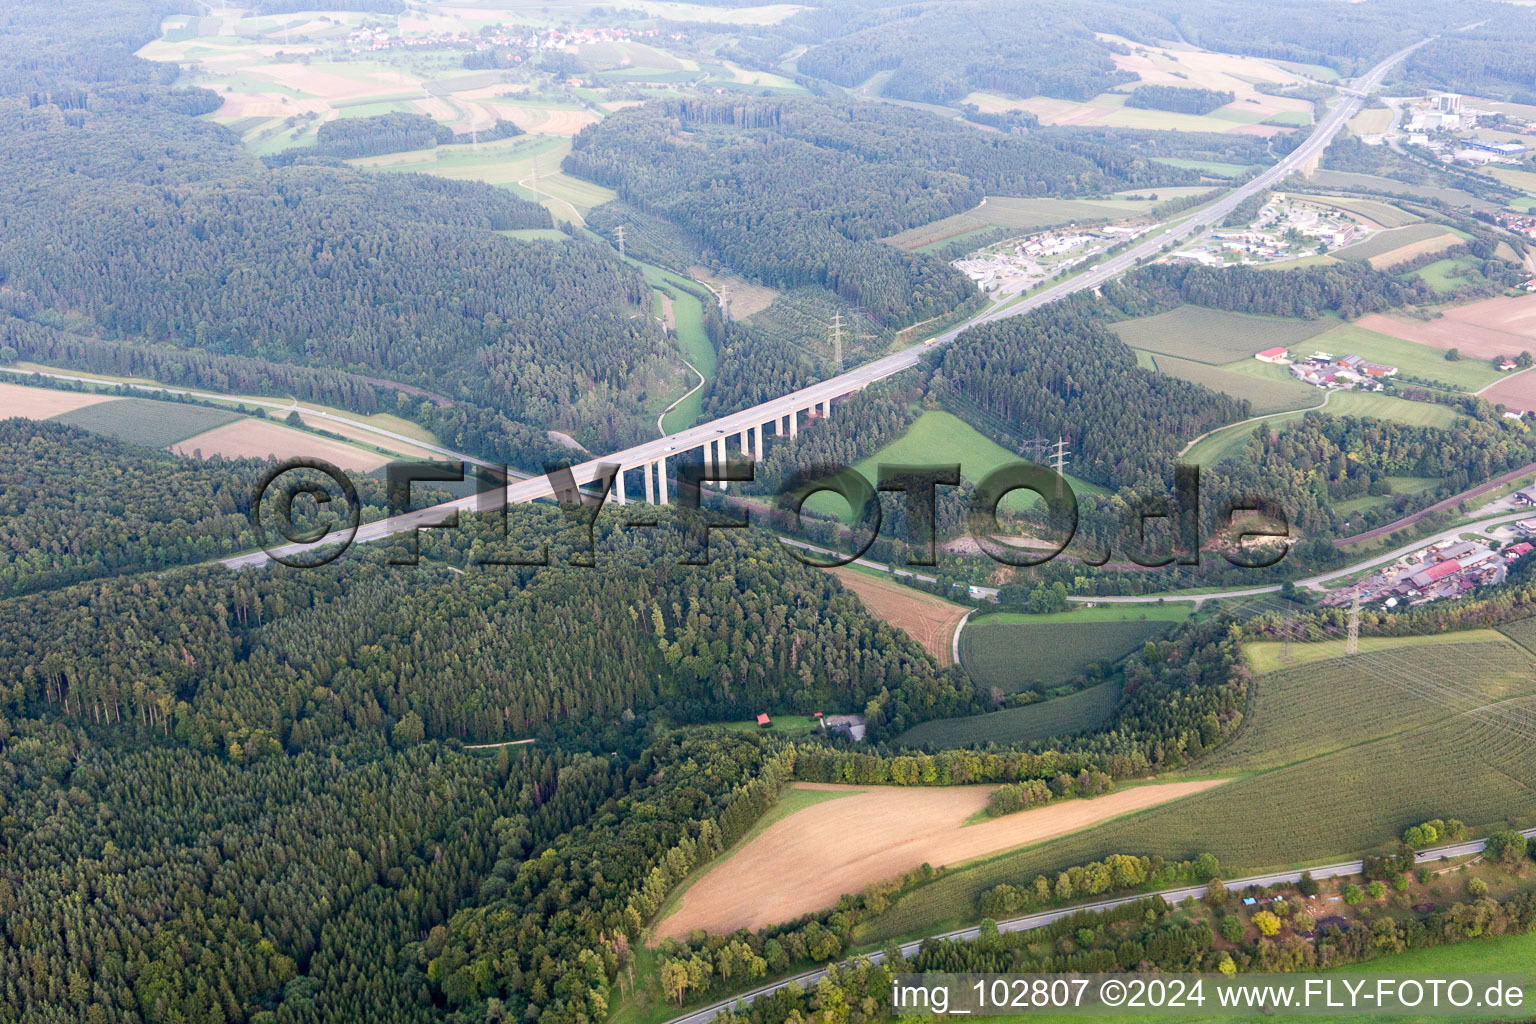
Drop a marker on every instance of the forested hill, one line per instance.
(795, 192)
(496, 653)
(940, 53)
(122, 217)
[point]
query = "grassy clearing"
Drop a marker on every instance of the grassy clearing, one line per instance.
(1117, 612)
(1014, 656)
(1447, 275)
(1417, 414)
(1371, 122)
(1400, 485)
(1062, 716)
(1264, 657)
(148, 422)
(688, 322)
(1410, 357)
(1263, 395)
(1414, 759)
(1214, 336)
(787, 724)
(939, 438)
(1210, 168)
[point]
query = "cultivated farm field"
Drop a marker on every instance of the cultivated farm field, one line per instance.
(805, 861)
(1410, 357)
(148, 422)
(1364, 748)
(1492, 327)
(1025, 215)
(1265, 393)
(1214, 336)
(1398, 244)
(44, 403)
(253, 438)
(929, 620)
(1014, 654)
(1060, 716)
(1378, 212)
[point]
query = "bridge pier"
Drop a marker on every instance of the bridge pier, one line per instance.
(661, 478)
(650, 490)
(794, 423)
(757, 443)
(618, 486)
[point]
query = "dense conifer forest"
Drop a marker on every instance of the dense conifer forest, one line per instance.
(794, 192)
(130, 223)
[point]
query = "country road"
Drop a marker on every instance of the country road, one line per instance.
(1029, 921)
(648, 452)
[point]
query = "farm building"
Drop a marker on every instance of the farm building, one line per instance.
(1273, 355)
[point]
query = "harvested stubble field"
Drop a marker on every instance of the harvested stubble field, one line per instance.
(252, 438)
(929, 620)
(1373, 744)
(1015, 655)
(1481, 330)
(44, 403)
(146, 421)
(1062, 716)
(807, 860)
(1214, 336)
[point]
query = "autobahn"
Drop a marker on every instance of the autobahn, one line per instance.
(1342, 869)
(662, 448)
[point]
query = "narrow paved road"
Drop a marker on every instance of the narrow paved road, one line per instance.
(1029, 921)
(835, 387)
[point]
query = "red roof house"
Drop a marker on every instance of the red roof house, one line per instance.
(762, 719)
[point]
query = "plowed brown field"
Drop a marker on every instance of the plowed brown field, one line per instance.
(804, 862)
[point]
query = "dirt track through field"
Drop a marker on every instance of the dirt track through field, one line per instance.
(804, 862)
(930, 620)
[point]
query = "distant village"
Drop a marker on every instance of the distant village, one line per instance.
(1325, 370)
(518, 38)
